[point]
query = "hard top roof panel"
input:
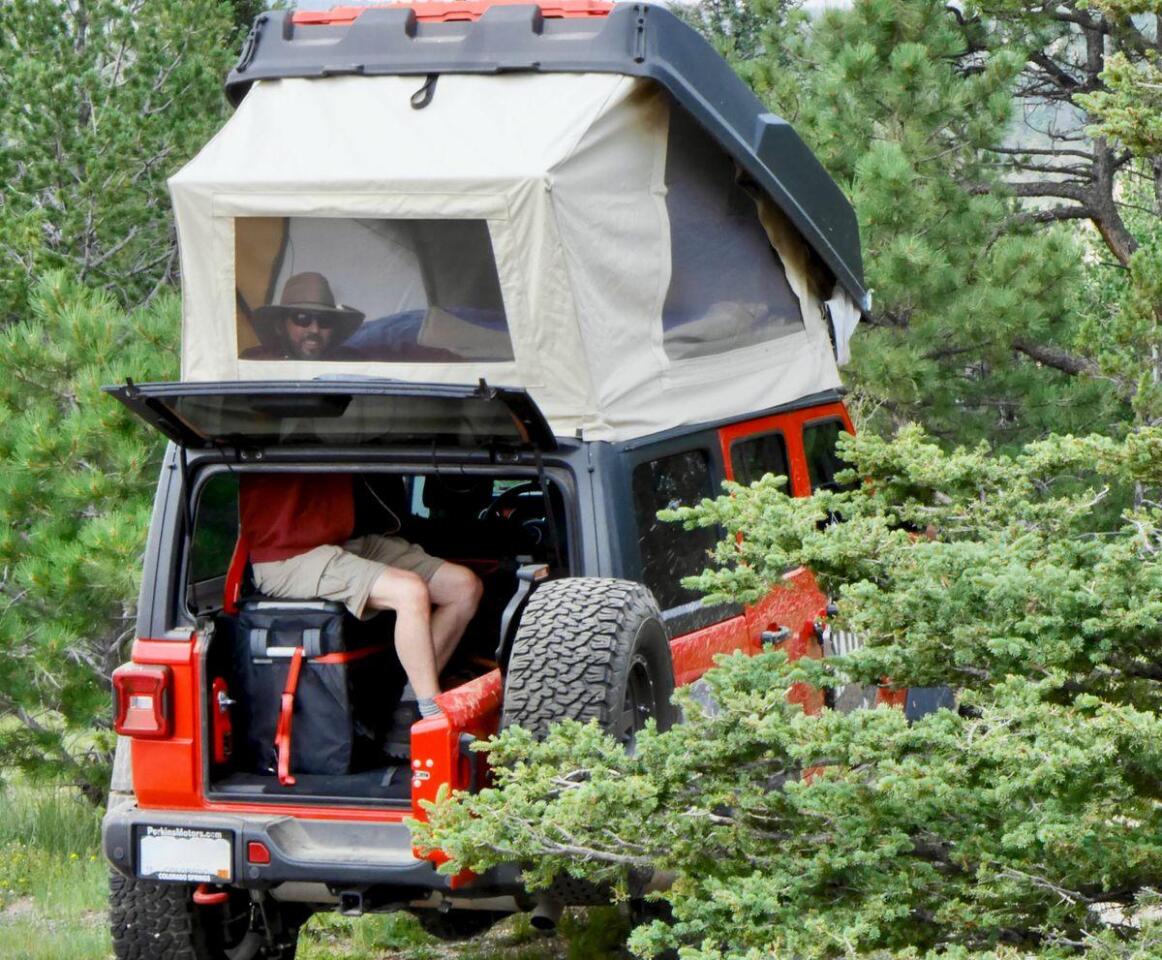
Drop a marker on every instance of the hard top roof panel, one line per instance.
(570, 36)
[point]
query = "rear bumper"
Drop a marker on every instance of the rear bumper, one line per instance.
(340, 854)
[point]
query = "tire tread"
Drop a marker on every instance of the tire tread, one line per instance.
(573, 644)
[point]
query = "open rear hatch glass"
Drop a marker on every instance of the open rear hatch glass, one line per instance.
(340, 413)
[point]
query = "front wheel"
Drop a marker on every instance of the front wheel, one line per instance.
(160, 921)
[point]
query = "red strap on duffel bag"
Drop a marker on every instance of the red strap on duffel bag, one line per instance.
(282, 736)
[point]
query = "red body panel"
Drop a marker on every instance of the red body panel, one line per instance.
(473, 708)
(459, 10)
(221, 723)
(694, 653)
(166, 771)
(791, 426)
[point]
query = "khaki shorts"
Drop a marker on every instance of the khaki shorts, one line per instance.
(345, 574)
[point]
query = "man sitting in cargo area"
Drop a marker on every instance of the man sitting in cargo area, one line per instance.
(299, 528)
(306, 324)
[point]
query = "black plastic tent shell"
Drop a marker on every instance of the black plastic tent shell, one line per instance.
(636, 40)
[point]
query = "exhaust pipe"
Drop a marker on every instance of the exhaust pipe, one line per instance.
(351, 903)
(546, 914)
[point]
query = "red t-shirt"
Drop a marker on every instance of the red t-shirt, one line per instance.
(285, 514)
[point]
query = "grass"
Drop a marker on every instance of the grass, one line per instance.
(53, 889)
(52, 879)
(583, 935)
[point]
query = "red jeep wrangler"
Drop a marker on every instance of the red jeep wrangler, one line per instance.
(577, 200)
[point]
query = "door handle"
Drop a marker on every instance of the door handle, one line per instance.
(771, 637)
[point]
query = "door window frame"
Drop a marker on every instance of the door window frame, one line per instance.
(791, 424)
(737, 441)
(845, 426)
(691, 616)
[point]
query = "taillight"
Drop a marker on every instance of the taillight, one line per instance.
(141, 700)
(257, 852)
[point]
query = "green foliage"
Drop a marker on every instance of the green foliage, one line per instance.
(53, 819)
(1026, 823)
(740, 29)
(53, 880)
(76, 480)
(1126, 109)
(975, 308)
(1130, 108)
(100, 101)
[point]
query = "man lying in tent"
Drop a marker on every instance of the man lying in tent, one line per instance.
(299, 529)
(306, 325)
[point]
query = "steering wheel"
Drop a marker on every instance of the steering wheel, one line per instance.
(510, 498)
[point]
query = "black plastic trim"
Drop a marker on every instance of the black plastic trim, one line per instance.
(813, 400)
(119, 844)
(151, 402)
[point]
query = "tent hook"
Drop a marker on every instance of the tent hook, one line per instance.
(422, 97)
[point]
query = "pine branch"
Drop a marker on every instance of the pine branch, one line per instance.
(1059, 77)
(1052, 215)
(1036, 151)
(1057, 358)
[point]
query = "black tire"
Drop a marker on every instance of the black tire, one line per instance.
(589, 648)
(457, 925)
(160, 921)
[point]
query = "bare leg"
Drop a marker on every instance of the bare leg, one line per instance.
(456, 592)
(407, 594)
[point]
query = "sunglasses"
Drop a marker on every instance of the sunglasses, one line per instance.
(325, 321)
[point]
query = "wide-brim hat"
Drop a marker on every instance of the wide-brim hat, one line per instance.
(305, 292)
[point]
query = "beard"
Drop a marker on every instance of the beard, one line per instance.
(311, 347)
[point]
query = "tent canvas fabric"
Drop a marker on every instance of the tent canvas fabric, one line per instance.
(565, 175)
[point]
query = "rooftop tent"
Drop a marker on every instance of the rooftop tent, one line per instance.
(575, 234)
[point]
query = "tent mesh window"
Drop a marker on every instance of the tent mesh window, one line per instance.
(728, 288)
(396, 291)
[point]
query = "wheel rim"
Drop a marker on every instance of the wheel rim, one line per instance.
(639, 704)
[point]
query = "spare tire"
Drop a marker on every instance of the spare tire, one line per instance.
(590, 648)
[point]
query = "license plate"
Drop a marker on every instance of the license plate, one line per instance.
(185, 853)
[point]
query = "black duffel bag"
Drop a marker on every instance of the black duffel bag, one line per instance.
(299, 695)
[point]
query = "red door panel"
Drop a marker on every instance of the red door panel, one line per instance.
(694, 652)
(798, 602)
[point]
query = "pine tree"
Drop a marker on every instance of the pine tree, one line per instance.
(1026, 824)
(1125, 107)
(980, 305)
(76, 481)
(100, 101)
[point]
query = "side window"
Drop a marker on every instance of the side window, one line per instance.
(670, 553)
(215, 528)
(215, 533)
(753, 457)
(823, 462)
